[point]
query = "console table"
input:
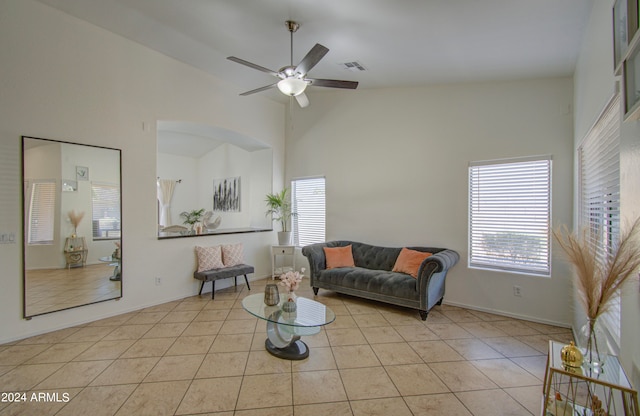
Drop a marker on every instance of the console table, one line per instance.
(287, 252)
(586, 391)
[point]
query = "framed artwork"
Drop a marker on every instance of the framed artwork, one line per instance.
(82, 173)
(69, 185)
(226, 194)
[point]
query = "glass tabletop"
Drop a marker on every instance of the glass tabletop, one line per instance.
(309, 313)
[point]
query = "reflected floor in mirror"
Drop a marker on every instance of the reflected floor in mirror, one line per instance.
(50, 290)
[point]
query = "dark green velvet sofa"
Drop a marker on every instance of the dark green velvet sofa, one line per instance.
(372, 278)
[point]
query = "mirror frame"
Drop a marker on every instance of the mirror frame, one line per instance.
(59, 190)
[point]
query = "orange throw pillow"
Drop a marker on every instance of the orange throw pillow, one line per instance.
(409, 261)
(339, 257)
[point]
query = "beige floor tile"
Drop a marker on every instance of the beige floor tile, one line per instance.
(349, 336)
(535, 365)
(461, 315)
(415, 379)
(50, 337)
(321, 409)
(197, 328)
(380, 335)
(343, 322)
(179, 316)
(125, 371)
(74, 374)
(462, 376)
(317, 387)
(262, 362)
(539, 342)
(220, 304)
(358, 307)
(435, 351)
(528, 397)
(178, 367)
(210, 395)
(191, 345)
(272, 411)
(223, 364)
(170, 330)
(437, 404)
(505, 373)
(370, 320)
(355, 356)
(208, 315)
(511, 347)
(128, 332)
(485, 316)
(149, 347)
(546, 329)
(60, 353)
(473, 349)
(151, 399)
(313, 341)
(448, 331)
(268, 390)
(26, 377)
(232, 342)
(437, 317)
(94, 333)
(105, 350)
(239, 326)
(482, 329)
(147, 318)
(109, 397)
(320, 358)
(395, 354)
(403, 316)
(416, 333)
(367, 383)
(18, 354)
(491, 403)
(515, 327)
(380, 407)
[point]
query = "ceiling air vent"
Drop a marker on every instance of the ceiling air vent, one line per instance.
(354, 66)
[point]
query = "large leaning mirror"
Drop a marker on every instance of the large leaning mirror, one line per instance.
(225, 174)
(72, 225)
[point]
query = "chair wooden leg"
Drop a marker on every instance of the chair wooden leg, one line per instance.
(247, 281)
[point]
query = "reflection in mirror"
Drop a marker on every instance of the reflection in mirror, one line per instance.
(72, 226)
(223, 173)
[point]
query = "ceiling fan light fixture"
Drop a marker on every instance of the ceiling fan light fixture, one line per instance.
(292, 86)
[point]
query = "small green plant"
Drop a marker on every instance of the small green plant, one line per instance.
(279, 207)
(192, 217)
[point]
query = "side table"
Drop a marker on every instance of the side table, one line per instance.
(75, 252)
(571, 391)
(287, 251)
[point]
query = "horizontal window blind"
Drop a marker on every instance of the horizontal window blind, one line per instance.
(510, 215)
(42, 205)
(308, 197)
(105, 200)
(599, 171)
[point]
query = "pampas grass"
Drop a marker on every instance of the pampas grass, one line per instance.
(599, 276)
(75, 219)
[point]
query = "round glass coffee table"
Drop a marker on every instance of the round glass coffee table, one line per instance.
(284, 329)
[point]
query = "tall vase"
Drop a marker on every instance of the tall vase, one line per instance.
(595, 345)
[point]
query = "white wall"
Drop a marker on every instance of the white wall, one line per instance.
(65, 79)
(594, 86)
(395, 162)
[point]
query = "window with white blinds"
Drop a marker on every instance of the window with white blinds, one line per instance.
(105, 199)
(599, 178)
(308, 198)
(42, 204)
(510, 215)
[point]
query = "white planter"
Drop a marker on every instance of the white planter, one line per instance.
(284, 238)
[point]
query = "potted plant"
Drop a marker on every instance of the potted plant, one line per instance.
(192, 217)
(279, 207)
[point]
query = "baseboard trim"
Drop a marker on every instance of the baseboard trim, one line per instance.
(509, 314)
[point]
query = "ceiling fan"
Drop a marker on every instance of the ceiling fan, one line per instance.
(293, 79)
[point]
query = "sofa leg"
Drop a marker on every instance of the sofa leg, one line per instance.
(423, 315)
(440, 302)
(315, 291)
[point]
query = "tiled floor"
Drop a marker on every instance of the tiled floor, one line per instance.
(199, 356)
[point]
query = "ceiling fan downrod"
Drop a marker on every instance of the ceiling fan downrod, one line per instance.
(293, 27)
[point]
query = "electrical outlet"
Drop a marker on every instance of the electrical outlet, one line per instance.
(158, 281)
(517, 291)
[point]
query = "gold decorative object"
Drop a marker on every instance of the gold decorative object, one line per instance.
(571, 355)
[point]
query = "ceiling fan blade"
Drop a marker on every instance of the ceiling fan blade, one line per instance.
(311, 59)
(252, 65)
(266, 87)
(302, 100)
(332, 83)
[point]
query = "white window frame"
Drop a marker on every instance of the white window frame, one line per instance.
(308, 201)
(506, 197)
(108, 214)
(42, 211)
(599, 193)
